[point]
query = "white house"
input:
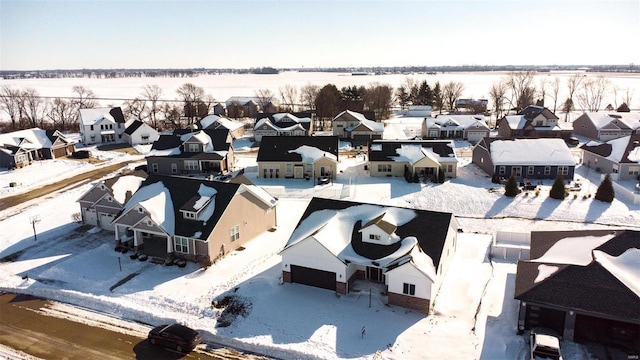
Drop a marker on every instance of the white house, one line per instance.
(139, 133)
(337, 242)
(467, 127)
(101, 126)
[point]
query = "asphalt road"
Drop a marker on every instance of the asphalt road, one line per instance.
(23, 327)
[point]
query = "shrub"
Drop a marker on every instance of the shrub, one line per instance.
(557, 189)
(77, 217)
(605, 191)
(511, 188)
(537, 192)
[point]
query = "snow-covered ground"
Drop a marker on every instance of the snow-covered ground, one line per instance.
(475, 313)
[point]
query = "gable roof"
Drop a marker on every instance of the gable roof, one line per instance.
(456, 122)
(622, 150)
(533, 111)
(216, 121)
(335, 224)
(543, 151)
(603, 280)
(215, 141)
(292, 148)
(621, 120)
(32, 139)
(91, 116)
(412, 150)
(135, 124)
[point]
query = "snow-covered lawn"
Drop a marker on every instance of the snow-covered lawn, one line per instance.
(475, 314)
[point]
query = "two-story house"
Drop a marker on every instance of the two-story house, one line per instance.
(298, 157)
(606, 126)
(356, 127)
(101, 126)
(532, 122)
(282, 124)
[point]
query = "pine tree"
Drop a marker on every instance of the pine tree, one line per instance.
(605, 191)
(511, 187)
(557, 190)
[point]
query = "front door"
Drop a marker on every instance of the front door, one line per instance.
(374, 274)
(298, 171)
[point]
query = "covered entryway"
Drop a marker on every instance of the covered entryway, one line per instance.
(90, 217)
(313, 277)
(375, 274)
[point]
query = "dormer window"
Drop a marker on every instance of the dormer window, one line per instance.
(193, 148)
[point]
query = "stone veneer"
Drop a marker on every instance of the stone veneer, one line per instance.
(409, 302)
(286, 276)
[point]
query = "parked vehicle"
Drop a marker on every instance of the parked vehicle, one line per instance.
(544, 345)
(175, 336)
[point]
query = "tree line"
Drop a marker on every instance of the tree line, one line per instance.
(26, 108)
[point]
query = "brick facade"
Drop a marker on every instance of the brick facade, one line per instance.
(286, 276)
(410, 302)
(341, 288)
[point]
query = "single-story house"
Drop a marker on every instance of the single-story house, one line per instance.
(584, 285)
(355, 126)
(20, 148)
(418, 111)
(532, 122)
(101, 126)
(193, 219)
(618, 157)
(106, 198)
(337, 242)
(467, 127)
(235, 127)
(139, 133)
(529, 159)
(426, 158)
(187, 152)
(604, 126)
(298, 157)
(281, 124)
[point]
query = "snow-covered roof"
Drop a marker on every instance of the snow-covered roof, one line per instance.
(91, 116)
(456, 122)
(124, 184)
(370, 124)
(516, 122)
(261, 194)
(573, 250)
(356, 115)
(222, 121)
(156, 200)
(531, 152)
(601, 119)
(36, 139)
(279, 116)
(625, 267)
(413, 153)
(312, 154)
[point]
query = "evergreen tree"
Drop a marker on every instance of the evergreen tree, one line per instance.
(605, 191)
(438, 100)
(557, 190)
(511, 187)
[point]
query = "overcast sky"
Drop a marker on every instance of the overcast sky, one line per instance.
(242, 34)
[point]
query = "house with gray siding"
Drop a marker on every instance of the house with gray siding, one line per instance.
(604, 126)
(618, 157)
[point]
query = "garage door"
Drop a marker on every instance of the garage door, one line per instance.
(474, 136)
(313, 277)
(90, 217)
(105, 221)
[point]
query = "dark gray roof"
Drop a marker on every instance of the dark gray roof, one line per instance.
(531, 111)
(133, 127)
(276, 148)
(117, 114)
(388, 151)
(605, 149)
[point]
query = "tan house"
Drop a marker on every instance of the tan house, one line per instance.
(354, 125)
(235, 127)
(193, 219)
(298, 157)
(425, 158)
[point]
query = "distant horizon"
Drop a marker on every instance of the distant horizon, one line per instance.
(173, 34)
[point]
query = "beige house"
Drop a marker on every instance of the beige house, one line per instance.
(425, 158)
(193, 219)
(298, 157)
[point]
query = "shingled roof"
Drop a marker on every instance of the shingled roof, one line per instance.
(280, 148)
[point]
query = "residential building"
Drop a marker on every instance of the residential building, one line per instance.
(235, 127)
(298, 157)
(20, 148)
(467, 127)
(356, 127)
(604, 126)
(532, 122)
(619, 157)
(282, 124)
(140, 133)
(426, 158)
(101, 126)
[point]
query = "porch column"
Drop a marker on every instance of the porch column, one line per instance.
(569, 325)
(169, 246)
(136, 243)
(522, 312)
(117, 233)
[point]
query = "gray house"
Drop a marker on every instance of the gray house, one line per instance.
(618, 157)
(606, 126)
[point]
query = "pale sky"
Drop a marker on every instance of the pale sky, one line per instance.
(242, 34)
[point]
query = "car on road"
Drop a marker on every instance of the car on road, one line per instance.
(175, 336)
(323, 180)
(544, 345)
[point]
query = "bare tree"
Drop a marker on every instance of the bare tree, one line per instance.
(62, 114)
(308, 95)
(10, 104)
(172, 114)
(522, 89)
(152, 93)
(379, 98)
(265, 97)
(555, 89)
(289, 94)
(451, 92)
(542, 91)
(85, 98)
(136, 108)
(192, 96)
(33, 107)
(628, 96)
(591, 93)
(572, 85)
(497, 93)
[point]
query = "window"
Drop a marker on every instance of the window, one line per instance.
(289, 168)
(634, 170)
(408, 289)
(563, 170)
(191, 165)
(234, 233)
(189, 215)
(517, 171)
(374, 237)
(547, 170)
(174, 168)
(449, 168)
(530, 170)
(154, 166)
(193, 148)
(181, 244)
(93, 138)
(144, 138)
(384, 168)
(502, 170)
(615, 168)
(309, 167)
(91, 127)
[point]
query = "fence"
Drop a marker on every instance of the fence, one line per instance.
(511, 245)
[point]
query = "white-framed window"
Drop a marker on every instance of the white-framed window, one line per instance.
(289, 168)
(517, 171)
(154, 167)
(144, 138)
(234, 233)
(563, 170)
(191, 165)
(547, 170)
(449, 168)
(193, 147)
(189, 215)
(530, 170)
(181, 244)
(502, 170)
(384, 168)
(615, 169)
(634, 170)
(408, 289)
(374, 237)
(309, 167)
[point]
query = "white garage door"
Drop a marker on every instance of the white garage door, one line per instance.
(474, 136)
(105, 221)
(90, 217)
